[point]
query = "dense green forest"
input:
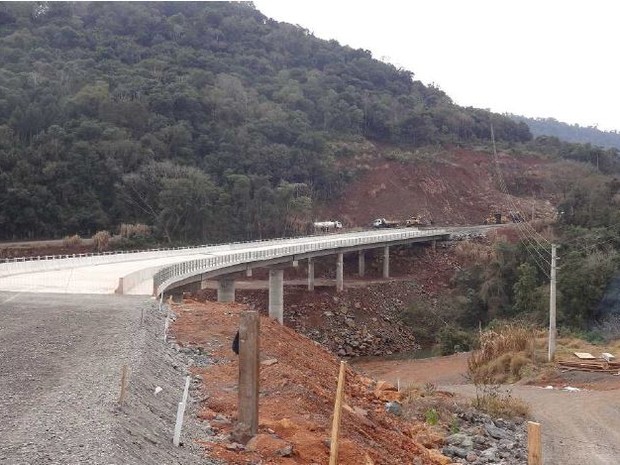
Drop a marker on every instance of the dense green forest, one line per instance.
(570, 132)
(207, 121)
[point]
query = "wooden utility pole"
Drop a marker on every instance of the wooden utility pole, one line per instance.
(552, 311)
(333, 452)
(248, 372)
(534, 446)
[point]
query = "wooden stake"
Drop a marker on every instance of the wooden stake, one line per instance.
(333, 452)
(123, 393)
(534, 449)
(248, 372)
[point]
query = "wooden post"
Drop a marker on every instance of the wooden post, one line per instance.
(333, 452)
(248, 372)
(534, 448)
(123, 393)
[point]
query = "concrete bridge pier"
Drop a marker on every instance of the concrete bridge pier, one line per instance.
(361, 263)
(386, 261)
(340, 273)
(226, 290)
(310, 274)
(276, 295)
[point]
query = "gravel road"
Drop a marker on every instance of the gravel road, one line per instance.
(578, 428)
(60, 363)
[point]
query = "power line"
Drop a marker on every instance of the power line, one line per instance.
(528, 238)
(504, 189)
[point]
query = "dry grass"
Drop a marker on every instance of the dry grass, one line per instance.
(472, 252)
(424, 403)
(101, 240)
(72, 241)
(132, 230)
(498, 403)
(508, 339)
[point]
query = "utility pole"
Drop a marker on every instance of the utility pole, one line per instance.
(552, 329)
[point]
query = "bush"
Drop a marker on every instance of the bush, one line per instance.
(101, 240)
(452, 340)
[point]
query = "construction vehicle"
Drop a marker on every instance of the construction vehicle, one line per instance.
(495, 218)
(383, 223)
(498, 218)
(326, 226)
(516, 217)
(416, 221)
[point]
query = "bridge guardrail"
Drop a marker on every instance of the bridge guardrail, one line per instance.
(57, 262)
(179, 271)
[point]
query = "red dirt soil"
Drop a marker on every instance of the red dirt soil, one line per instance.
(452, 187)
(296, 398)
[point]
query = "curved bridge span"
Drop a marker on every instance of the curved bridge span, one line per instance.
(157, 272)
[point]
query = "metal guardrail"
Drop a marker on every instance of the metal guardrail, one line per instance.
(183, 270)
(57, 262)
(128, 252)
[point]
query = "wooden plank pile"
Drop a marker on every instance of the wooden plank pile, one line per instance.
(588, 362)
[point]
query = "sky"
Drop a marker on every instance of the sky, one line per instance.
(543, 58)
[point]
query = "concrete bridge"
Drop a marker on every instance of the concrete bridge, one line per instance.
(159, 272)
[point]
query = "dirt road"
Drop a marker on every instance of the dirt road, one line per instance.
(578, 428)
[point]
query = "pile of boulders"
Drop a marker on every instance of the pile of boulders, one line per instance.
(483, 440)
(356, 325)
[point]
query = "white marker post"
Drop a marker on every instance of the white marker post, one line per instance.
(176, 440)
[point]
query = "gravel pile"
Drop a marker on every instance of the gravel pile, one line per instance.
(145, 422)
(60, 374)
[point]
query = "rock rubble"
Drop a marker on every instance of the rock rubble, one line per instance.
(482, 440)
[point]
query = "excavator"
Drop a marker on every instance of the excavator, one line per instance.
(417, 221)
(499, 218)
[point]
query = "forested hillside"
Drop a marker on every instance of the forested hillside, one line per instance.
(570, 132)
(207, 121)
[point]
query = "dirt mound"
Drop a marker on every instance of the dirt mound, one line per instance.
(297, 391)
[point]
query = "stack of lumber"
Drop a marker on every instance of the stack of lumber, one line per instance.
(601, 366)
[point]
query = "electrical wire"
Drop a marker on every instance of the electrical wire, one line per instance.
(528, 237)
(504, 189)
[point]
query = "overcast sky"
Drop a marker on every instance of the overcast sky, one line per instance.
(538, 58)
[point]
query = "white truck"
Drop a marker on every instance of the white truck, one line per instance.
(383, 223)
(326, 226)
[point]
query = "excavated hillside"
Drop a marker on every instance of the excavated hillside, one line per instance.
(298, 381)
(448, 186)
